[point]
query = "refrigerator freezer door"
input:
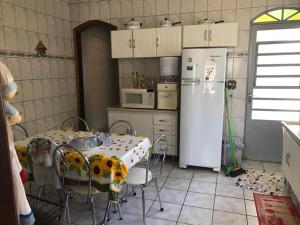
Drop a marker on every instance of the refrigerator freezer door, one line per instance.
(204, 64)
(201, 124)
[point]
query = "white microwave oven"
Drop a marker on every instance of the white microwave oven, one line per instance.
(137, 98)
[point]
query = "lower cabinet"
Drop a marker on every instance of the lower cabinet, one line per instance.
(290, 162)
(150, 123)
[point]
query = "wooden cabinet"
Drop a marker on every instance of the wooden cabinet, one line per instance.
(222, 34)
(142, 122)
(168, 41)
(195, 36)
(210, 35)
(150, 123)
(291, 161)
(144, 43)
(121, 44)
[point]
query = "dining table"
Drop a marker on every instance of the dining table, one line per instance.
(109, 164)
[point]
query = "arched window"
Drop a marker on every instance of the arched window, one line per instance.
(290, 14)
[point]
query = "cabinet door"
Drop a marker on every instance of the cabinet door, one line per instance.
(223, 35)
(195, 36)
(121, 44)
(142, 123)
(168, 41)
(113, 116)
(144, 43)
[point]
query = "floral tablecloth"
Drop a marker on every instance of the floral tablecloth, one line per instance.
(109, 165)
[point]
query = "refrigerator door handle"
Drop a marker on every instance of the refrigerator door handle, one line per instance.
(185, 82)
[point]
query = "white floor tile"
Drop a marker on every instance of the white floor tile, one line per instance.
(272, 167)
(200, 200)
(233, 205)
(250, 208)
(134, 206)
(195, 216)
(229, 191)
(171, 211)
(203, 187)
(205, 175)
(222, 179)
(161, 181)
(150, 192)
(251, 164)
(154, 221)
(225, 218)
(182, 173)
(128, 219)
(252, 220)
(179, 184)
(172, 196)
(248, 194)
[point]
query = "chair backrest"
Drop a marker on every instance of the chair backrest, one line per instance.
(72, 168)
(157, 157)
(19, 132)
(122, 126)
(75, 123)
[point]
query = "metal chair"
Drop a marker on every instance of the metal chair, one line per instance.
(69, 174)
(122, 126)
(138, 176)
(75, 123)
(19, 132)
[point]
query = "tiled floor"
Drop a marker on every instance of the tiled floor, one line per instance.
(190, 196)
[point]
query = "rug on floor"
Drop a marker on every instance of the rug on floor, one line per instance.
(262, 182)
(275, 210)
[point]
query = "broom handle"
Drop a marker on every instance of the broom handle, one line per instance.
(232, 157)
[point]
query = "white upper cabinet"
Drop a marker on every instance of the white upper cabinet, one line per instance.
(168, 41)
(144, 43)
(121, 44)
(210, 35)
(223, 34)
(195, 36)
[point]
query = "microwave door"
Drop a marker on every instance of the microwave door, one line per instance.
(134, 99)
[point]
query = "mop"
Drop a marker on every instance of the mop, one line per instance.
(232, 169)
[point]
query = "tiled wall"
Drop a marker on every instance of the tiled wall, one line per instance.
(47, 92)
(151, 12)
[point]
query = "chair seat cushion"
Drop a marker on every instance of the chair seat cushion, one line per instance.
(83, 189)
(137, 176)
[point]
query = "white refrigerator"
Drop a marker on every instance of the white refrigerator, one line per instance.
(202, 106)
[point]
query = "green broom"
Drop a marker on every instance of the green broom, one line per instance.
(232, 169)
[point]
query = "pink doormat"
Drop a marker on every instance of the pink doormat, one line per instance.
(275, 210)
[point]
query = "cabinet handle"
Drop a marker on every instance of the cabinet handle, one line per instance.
(287, 158)
(163, 120)
(157, 42)
(163, 130)
(205, 35)
(133, 43)
(130, 43)
(209, 35)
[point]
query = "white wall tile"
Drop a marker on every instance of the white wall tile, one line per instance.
(243, 41)
(162, 7)
(22, 41)
(200, 5)
(8, 14)
(2, 38)
(32, 21)
(243, 18)
(214, 15)
(199, 16)
(229, 16)
(11, 42)
(115, 9)
(31, 4)
(174, 6)
(214, 5)
(138, 8)
(187, 6)
(149, 7)
(243, 4)
(105, 10)
(259, 3)
(275, 2)
(29, 111)
(21, 22)
(187, 18)
(229, 4)
(241, 89)
(240, 67)
(126, 8)
(84, 13)
(27, 90)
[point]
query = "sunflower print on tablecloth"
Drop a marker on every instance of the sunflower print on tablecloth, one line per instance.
(21, 153)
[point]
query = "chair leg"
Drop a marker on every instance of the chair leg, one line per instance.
(158, 195)
(133, 191)
(144, 205)
(93, 209)
(106, 212)
(124, 199)
(67, 211)
(119, 210)
(39, 196)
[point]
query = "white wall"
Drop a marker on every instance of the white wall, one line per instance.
(46, 86)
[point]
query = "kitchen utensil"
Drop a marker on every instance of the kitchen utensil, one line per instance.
(168, 23)
(133, 24)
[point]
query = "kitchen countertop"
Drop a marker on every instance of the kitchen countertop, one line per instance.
(294, 130)
(140, 110)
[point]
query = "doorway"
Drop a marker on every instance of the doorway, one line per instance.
(273, 86)
(97, 73)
